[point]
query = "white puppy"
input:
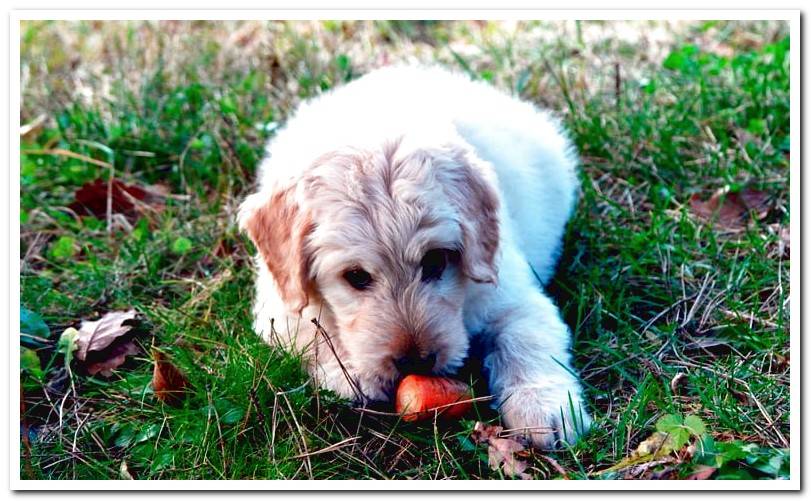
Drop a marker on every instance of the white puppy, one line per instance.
(410, 212)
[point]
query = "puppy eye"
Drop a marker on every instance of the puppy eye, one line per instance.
(358, 278)
(433, 264)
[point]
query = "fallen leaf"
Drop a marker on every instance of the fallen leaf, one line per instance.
(755, 201)
(501, 451)
(484, 432)
(501, 454)
(170, 385)
(110, 358)
(101, 333)
(101, 345)
(126, 199)
(728, 210)
(702, 473)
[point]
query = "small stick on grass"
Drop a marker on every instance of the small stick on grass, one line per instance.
(359, 395)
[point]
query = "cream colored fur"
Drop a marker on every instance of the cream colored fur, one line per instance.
(374, 174)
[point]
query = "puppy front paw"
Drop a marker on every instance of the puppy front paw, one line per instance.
(548, 415)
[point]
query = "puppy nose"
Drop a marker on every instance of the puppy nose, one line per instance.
(413, 363)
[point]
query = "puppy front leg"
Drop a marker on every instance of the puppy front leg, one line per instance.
(530, 372)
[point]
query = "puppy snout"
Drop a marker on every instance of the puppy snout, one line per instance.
(415, 363)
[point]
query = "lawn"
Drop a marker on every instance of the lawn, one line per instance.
(673, 280)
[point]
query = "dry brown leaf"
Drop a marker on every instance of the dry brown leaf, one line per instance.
(104, 344)
(129, 200)
(110, 358)
(170, 385)
(729, 210)
(501, 452)
(755, 201)
(101, 333)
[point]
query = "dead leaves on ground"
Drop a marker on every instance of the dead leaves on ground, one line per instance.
(101, 333)
(168, 382)
(96, 197)
(102, 345)
(730, 211)
(503, 453)
(111, 359)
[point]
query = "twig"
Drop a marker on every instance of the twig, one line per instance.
(68, 153)
(517, 431)
(306, 453)
(329, 448)
(359, 395)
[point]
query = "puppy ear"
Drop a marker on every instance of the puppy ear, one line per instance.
(278, 228)
(478, 205)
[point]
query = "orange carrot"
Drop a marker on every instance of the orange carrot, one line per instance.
(419, 397)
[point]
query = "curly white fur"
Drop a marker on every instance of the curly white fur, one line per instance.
(374, 174)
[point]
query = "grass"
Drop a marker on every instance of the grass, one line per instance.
(671, 314)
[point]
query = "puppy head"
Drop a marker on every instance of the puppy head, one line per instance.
(388, 240)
